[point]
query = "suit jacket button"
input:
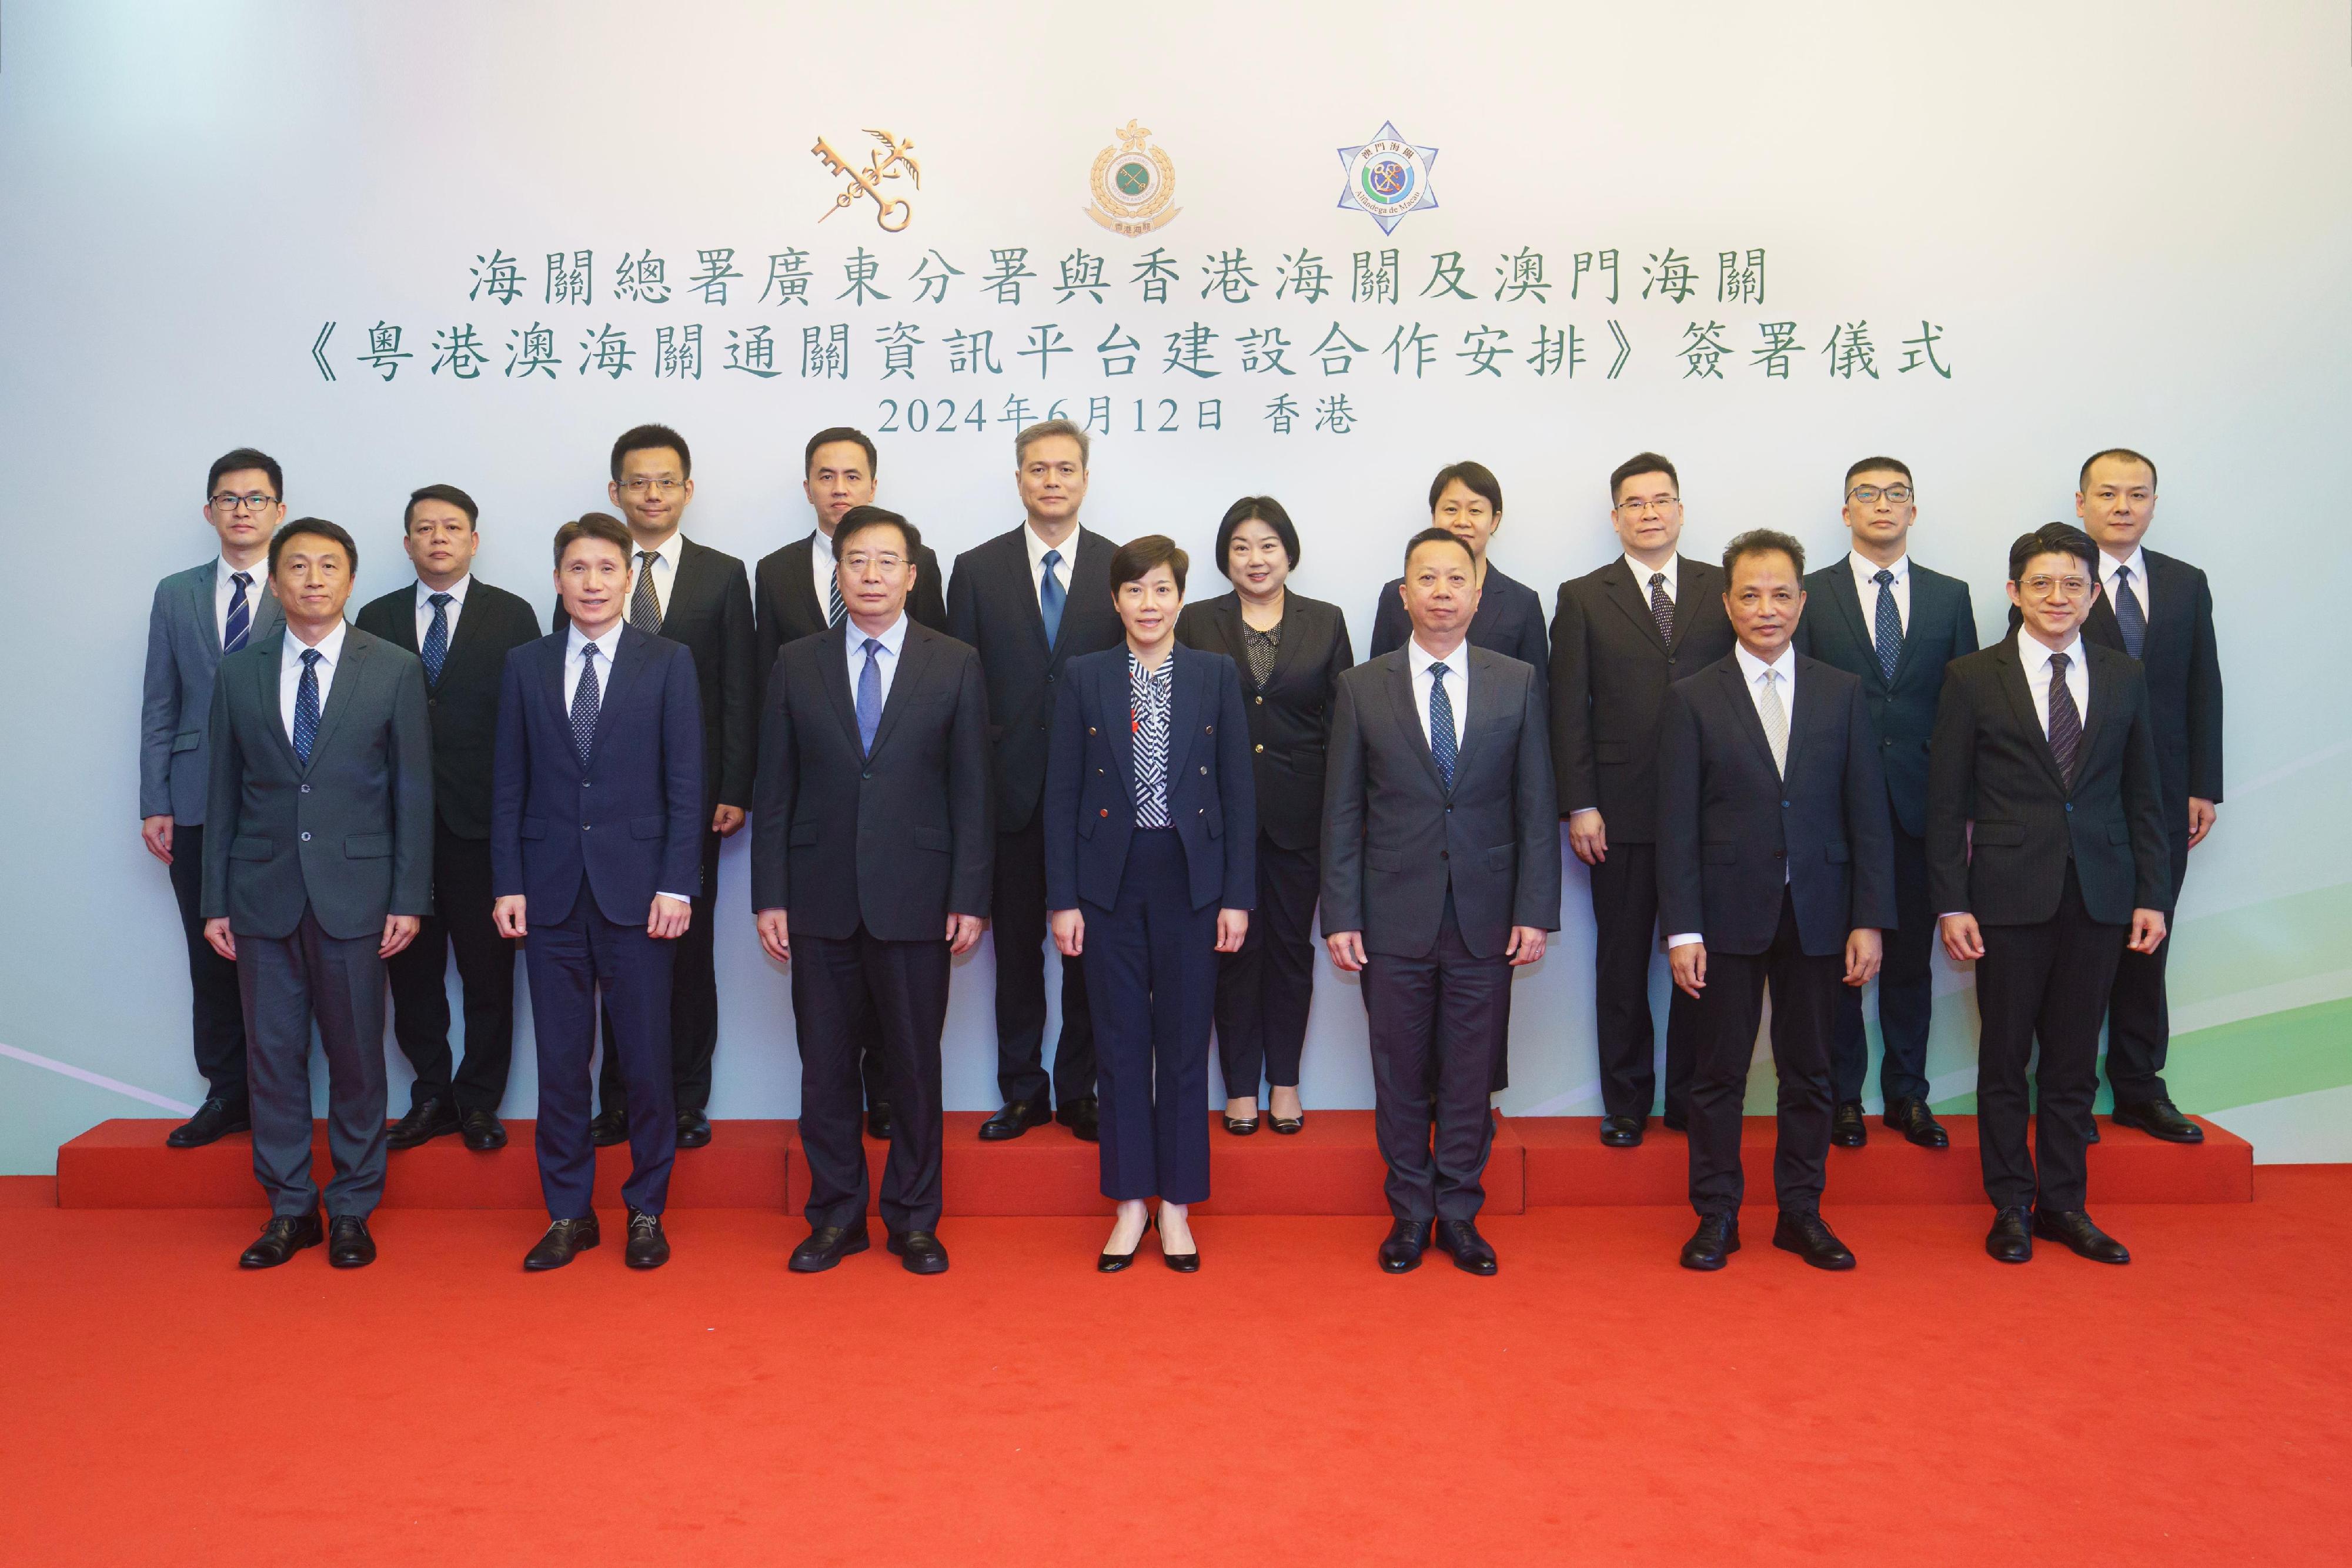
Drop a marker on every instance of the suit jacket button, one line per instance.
(1106, 811)
(868, 774)
(1259, 747)
(1205, 770)
(305, 789)
(306, 838)
(585, 826)
(1260, 701)
(1441, 854)
(1784, 805)
(1092, 730)
(1213, 729)
(1779, 854)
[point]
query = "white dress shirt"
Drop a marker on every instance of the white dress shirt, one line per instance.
(606, 645)
(1037, 548)
(2109, 566)
(1752, 674)
(892, 641)
(663, 568)
(224, 589)
(1420, 660)
(2035, 656)
(289, 672)
(1642, 575)
(457, 592)
(821, 566)
(1865, 584)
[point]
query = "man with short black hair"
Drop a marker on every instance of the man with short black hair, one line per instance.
(461, 630)
(2046, 855)
(199, 614)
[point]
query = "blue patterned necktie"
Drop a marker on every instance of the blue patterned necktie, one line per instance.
(240, 615)
(1890, 625)
(1050, 598)
(1661, 609)
(2128, 618)
(585, 701)
(306, 707)
(2065, 720)
(869, 695)
(1441, 725)
(436, 649)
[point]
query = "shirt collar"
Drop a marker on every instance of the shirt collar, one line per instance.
(331, 646)
(1135, 669)
(456, 591)
(668, 549)
(1642, 575)
(256, 571)
(2138, 562)
(892, 639)
(1037, 546)
(607, 645)
(820, 544)
(2037, 653)
(1418, 659)
(1752, 668)
(1866, 571)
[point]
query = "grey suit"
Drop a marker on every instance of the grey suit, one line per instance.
(305, 862)
(183, 650)
(1435, 878)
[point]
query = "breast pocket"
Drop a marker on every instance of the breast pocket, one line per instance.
(1384, 859)
(937, 838)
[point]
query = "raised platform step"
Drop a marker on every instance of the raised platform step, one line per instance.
(1333, 1166)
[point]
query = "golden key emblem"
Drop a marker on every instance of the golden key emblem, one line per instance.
(895, 158)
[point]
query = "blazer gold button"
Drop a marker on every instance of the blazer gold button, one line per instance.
(1205, 770)
(1213, 729)
(1260, 701)
(1259, 747)
(1092, 730)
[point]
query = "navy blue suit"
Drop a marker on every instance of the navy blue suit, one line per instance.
(1150, 898)
(589, 847)
(1839, 628)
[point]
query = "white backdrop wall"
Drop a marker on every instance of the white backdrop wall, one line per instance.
(2124, 224)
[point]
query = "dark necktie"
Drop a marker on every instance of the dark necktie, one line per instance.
(1661, 609)
(2065, 720)
(240, 615)
(869, 695)
(2128, 618)
(1441, 725)
(1890, 625)
(1050, 597)
(434, 650)
(306, 707)
(586, 700)
(834, 608)
(645, 610)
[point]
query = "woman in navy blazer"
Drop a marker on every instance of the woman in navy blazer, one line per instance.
(1150, 825)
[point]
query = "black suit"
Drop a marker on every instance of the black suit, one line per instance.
(869, 854)
(1838, 627)
(1771, 867)
(709, 610)
(2184, 697)
(1264, 991)
(464, 708)
(2052, 871)
(993, 605)
(1610, 672)
(1435, 878)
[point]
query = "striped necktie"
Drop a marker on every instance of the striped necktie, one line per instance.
(2128, 617)
(645, 610)
(2065, 720)
(240, 625)
(434, 650)
(306, 707)
(1889, 627)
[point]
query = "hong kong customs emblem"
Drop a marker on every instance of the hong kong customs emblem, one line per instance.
(1134, 184)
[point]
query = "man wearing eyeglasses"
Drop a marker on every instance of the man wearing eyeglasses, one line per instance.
(701, 597)
(1620, 637)
(1882, 616)
(199, 614)
(2047, 859)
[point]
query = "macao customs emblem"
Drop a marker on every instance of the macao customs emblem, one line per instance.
(1134, 184)
(1387, 177)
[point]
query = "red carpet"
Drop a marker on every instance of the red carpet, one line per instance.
(1593, 1403)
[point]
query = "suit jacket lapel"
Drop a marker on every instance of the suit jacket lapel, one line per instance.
(1299, 625)
(1117, 699)
(1806, 705)
(2163, 609)
(1484, 713)
(553, 648)
(352, 669)
(914, 657)
(1691, 586)
(267, 671)
(629, 659)
(2100, 683)
(1183, 707)
(685, 578)
(1847, 600)
(1925, 593)
(202, 584)
(834, 670)
(1087, 546)
(2020, 699)
(800, 569)
(1630, 596)
(1743, 709)
(1409, 712)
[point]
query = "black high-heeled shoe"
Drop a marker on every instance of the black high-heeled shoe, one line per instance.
(1239, 1128)
(1287, 1124)
(1112, 1262)
(1182, 1262)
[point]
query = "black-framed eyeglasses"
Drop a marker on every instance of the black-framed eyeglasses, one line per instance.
(1868, 495)
(225, 502)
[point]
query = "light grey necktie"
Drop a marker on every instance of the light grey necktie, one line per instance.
(1768, 708)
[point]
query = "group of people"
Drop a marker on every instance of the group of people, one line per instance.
(1052, 741)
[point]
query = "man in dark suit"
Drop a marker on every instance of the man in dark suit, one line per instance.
(317, 868)
(701, 598)
(1776, 865)
(1880, 615)
(1438, 746)
(796, 593)
(2046, 855)
(597, 817)
(2159, 610)
(870, 850)
(1029, 601)
(460, 629)
(1620, 637)
(198, 614)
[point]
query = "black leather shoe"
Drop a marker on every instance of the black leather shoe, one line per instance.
(827, 1245)
(1801, 1231)
(1914, 1121)
(430, 1118)
(1083, 1118)
(648, 1247)
(877, 1120)
(1471, 1252)
(1622, 1132)
(566, 1239)
(1676, 1121)
(2158, 1119)
(280, 1240)
(1013, 1119)
(919, 1251)
(1847, 1129)
(349, 1245)
(2095, 1130)
(1241, 1127)
(2011, 1239)
(1286, 1125)
(1112, 1262)
(483, 1132)
(2073, 1227)
(611, 1126)
(214, 1120)
(1182, 1262)
(1713, 1243)
(1407, 1240)
(693, 1129)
